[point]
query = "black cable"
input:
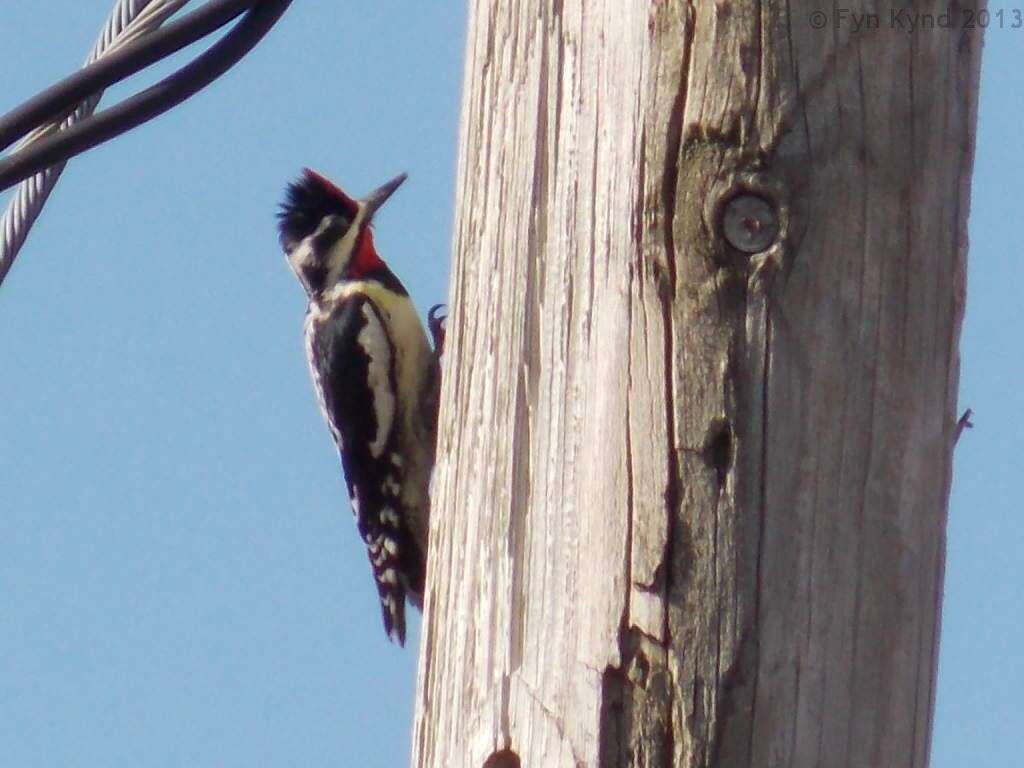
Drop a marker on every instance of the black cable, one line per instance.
(118, 65)
(151, 102)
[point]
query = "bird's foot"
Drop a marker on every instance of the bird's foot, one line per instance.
(436, 321)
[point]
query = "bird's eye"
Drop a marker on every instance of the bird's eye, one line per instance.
(330, 231)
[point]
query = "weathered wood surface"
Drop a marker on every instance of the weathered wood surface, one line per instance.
(690, 503)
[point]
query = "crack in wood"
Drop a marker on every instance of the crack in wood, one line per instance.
(636, 725)
(555, 720)
(755, 640)
(670, 180)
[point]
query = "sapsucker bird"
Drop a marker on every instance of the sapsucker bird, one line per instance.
(375, 377)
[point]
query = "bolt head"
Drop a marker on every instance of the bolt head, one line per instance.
(750, 223)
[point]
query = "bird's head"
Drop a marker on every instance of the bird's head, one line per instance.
(326, 234)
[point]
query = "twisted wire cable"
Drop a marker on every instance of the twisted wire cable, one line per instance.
(128, 20)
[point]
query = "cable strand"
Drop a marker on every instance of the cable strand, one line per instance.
(117, 63)
(128, 20)
(147, 104)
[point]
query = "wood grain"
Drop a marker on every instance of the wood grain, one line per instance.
(690, 503)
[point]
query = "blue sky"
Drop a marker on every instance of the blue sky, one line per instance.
(181, 584)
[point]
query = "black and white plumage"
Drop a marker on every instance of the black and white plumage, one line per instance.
(375, 377)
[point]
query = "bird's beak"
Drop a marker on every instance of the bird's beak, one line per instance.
(379, 196)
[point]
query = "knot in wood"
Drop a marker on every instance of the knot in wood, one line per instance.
(506, 758)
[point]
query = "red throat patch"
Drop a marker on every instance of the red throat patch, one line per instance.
(365, 258)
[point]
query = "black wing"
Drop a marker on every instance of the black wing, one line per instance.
(355, 370)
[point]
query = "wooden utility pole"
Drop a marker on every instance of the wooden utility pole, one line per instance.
(701, 379)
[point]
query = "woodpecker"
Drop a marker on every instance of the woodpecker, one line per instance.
(375, 377)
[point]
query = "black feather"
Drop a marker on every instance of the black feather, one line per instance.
(307, 201)
(342, 365)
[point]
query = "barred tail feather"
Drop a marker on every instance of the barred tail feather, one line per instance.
(386, 551)
(392, 605)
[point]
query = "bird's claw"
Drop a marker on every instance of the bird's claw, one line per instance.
(436, 322)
